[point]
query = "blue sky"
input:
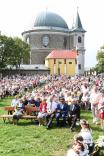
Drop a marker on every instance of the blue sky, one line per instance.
(19, 15)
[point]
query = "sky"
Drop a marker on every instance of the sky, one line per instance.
(17, 16)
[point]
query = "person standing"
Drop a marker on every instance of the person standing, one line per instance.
(101, 109)
(94, 99)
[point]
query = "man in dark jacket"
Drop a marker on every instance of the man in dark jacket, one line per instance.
(62, 111)
(74, 113)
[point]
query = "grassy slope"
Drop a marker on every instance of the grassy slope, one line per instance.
(28, 139)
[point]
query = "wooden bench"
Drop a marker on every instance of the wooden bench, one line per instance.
(30, 110)
(29, 113)
(9, 109)
(4, 117)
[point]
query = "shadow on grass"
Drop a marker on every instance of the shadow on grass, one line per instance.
(1, 104)
(27, 123)
(23, 123)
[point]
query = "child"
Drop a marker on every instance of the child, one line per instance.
(84, 151)
(86, 134)
(75, 150)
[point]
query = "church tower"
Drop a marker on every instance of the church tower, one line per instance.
(77, 39)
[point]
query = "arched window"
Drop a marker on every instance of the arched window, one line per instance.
(79, 39)
(79, 66)
(65, 42)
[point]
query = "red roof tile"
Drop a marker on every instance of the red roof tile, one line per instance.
(62, 54)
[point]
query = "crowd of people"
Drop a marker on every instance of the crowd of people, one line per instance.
(13, 85)
(61, 98)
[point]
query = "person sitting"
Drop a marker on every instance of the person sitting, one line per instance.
(42, 112)
(51, 110)
(31, 101)
(85, 132)
(17, 114)
(37, 102)
(74, 114)
(62, 111)
(25, 100)
(68, 98)
(75, 149)
(15, 101)
(21, 104)
(84, 151)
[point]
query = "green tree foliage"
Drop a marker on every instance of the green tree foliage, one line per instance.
(13, 52)
(3, 54)
(20, 52)
(100, 60)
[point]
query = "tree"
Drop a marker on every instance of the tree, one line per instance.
(100, 59)
(20, 52)
(3, 54)
(13, 52)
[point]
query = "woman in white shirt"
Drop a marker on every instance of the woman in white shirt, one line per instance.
(94, 99)
(86, 134)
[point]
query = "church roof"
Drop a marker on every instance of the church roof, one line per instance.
(50, 20)
(62, 54)
(78, 25)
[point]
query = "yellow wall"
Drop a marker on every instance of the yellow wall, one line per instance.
(51, 65)
(70, 68)
(46, 62)
(60, 66)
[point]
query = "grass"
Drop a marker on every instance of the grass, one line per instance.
(28, 139)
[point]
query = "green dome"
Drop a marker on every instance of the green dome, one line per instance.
(49, 19)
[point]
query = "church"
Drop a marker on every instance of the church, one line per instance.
(50, 32)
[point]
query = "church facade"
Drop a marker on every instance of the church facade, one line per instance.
(51, 32)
